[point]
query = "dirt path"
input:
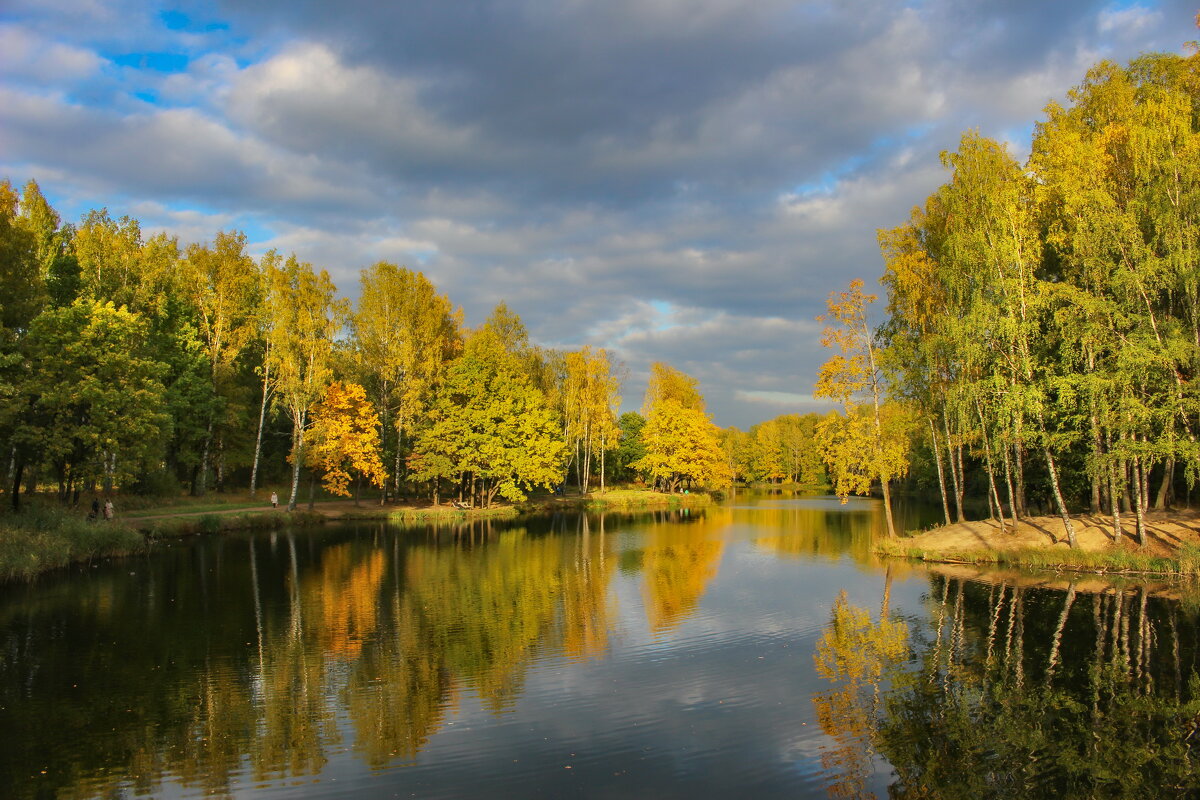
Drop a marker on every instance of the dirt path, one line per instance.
(1166, 531)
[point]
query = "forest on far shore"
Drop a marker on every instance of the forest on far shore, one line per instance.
(143, 365)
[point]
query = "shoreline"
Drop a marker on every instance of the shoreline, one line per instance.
(1172, 547)
(54, 538)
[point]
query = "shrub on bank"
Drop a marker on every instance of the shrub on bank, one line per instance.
(41, 539)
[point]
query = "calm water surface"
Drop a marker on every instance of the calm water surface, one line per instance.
(663, 655)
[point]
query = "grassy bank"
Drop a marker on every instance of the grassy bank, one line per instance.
(1118, 560)
(635, 499)
(443, 514)
(42, 539)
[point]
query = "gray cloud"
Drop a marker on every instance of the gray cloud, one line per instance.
(679, 181)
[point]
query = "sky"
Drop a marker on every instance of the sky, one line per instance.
(674, 180)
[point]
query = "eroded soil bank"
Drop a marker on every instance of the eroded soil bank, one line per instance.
(1172, 543)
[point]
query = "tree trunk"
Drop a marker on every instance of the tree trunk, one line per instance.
(602, 451)
(201, 486)
(1058, 498)
(987, 451)
(297, 454)
(262, 419)
(955, 473)
(1012, 501)
(18, 471)
(1164, 489)
(1114, 492)
(1139, 497)
(220, 465)
(887, 509)
(1097, 478)
(937, 456)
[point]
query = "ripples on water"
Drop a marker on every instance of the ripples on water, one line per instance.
(666, 655)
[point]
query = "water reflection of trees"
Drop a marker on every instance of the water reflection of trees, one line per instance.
(1020, 691)
(387, 636)
(817, 532)
(678, 563)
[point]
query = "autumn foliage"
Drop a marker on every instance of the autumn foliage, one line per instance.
(345, 438)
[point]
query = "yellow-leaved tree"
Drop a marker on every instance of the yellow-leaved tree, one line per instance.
(344, 438)
(682, 443)
(868, 441)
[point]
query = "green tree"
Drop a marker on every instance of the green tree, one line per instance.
(222, 283)
(93, 398)
(57, 264)
(682, 444)
(305, 316)
(405, 334)
(630, 448)
(21, 288)
(858, 454)
(490, 425)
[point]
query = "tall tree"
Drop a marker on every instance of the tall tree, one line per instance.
(681, 442)
(405, 333)
(590, 402)
(222, 283)
(305, 317)
(93, 400)
(490, 425)
(851, 377)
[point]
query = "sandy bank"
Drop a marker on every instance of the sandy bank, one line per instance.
(1166, 532)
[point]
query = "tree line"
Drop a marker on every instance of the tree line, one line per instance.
(1043, 318)
(143, 364)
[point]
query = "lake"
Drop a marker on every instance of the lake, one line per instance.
(754, 647)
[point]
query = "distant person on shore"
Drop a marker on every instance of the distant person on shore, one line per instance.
(108, 508)
(92, 517)
(274, 500)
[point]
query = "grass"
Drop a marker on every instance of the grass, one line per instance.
(1186, 561)
(42, 539)
(443, 515)
(644, 498)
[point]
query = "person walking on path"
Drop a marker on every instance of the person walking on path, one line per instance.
(108, 508)
(274, 500)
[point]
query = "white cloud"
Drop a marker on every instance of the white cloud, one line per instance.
(30, 57)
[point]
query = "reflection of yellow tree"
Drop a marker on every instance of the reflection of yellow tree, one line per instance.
(585, 604)
(855, 655)
(463, 616)
(678, 563)
(296, 723)
(212, 745)
(400, 688)
(348, 595)
(816, 531)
